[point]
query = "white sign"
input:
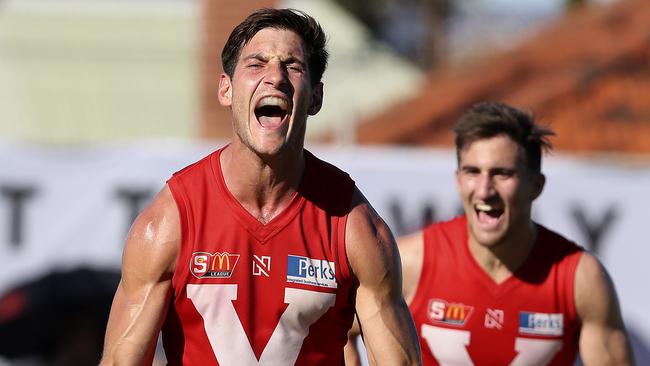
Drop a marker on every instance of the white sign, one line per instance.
(65, 207)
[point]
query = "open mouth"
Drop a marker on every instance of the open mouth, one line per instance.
(271, 111)
(488, 215)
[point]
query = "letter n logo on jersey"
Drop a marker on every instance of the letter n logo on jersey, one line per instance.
(449, 313)
(217, 265)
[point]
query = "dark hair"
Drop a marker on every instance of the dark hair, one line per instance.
(294, 20)
(490, 119)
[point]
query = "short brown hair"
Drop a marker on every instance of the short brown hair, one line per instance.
(489, 119)
(294, 20)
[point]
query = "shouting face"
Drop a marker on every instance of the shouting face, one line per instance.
(270, 93)
(497, 189)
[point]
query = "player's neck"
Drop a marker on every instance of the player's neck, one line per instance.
(501, 260)
(264, 187)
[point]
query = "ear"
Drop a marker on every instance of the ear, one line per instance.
(225, 90)
(457, 179)
(316, 99)
(538, 185)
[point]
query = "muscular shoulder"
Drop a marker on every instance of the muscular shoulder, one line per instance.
(142, 296)
(383, 316)
(369, 241)
(154, 238)
(362, 218)
(594, 290)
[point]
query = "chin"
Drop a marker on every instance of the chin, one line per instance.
(266, 145)
(267, 151)
(484, 241)
(487, 239)
(490, 242)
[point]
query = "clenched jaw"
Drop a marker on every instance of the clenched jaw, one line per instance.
(272, 111)
(489, 215)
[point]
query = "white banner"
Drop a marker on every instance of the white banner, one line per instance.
(65, 207)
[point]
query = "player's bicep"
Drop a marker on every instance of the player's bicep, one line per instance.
(374, 259)
(142, 295)
(378, 270)
(384, 319)
(603, 339)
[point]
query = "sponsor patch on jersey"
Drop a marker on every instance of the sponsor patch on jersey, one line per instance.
(309, 271)
(494, 318)
(213, 265)
(541, 323)
(452, 313)
(261, 265)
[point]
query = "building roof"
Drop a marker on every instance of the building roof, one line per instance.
(587, 75)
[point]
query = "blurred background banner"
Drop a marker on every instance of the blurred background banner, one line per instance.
(102, 100)
(63, 208)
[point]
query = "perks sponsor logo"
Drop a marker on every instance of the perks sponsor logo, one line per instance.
(541, 323)
(449, 313)
(217, 265)
(309, 271)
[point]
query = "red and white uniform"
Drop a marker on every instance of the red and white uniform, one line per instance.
(464, 318)
(247, 293)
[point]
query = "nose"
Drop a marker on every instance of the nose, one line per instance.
(276, 75)
(484, 187)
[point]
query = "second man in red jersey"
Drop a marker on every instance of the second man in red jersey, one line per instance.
(492, 287)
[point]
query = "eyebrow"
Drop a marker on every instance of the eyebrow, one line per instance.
(256, 56)
(263, 58)
(467, 167)
(491, 170)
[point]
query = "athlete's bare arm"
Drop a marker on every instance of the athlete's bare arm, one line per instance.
(411, 250)
(603, 339)
(142, 296)
(384, 318)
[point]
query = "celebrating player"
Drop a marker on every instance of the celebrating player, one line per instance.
(492, 287)
(260, 253)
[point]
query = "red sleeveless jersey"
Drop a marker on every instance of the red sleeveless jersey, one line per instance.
(464, 318)
(247, 293)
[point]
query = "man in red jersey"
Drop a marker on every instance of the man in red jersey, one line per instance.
(260, 253)
(492, 287)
